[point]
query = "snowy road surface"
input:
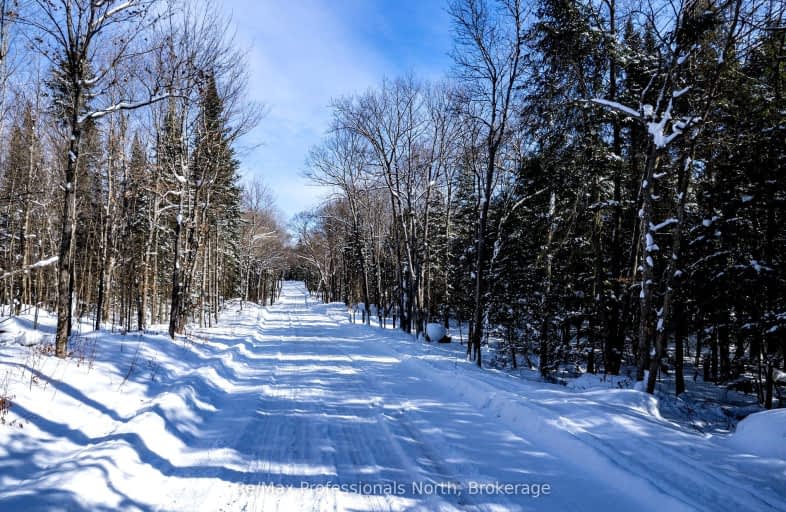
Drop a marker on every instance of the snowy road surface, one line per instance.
(291, 408)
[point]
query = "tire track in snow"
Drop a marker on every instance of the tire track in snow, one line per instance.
(429, 465)
(213, 480)
(601, 449)
(309, 420)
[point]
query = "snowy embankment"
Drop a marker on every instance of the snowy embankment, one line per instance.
(762, 434)
(291, 407)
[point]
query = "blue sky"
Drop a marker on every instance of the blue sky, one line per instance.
(303, 53)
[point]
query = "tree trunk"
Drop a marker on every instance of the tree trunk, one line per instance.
(64, 265)
(174, 311)
(723, 352)
(647, 275)
(679, 348)
(699, 336)
(670, 273)
(545, 306)
(480, 257)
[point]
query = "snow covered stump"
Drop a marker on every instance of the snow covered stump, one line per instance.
(437, 332)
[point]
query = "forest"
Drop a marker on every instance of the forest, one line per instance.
(596, 186)
(120, 192)
(599, 185)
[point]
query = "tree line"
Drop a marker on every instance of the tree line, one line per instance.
(599, 184)
(120, 198)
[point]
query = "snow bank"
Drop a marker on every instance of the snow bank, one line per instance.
(435, 332)
(763, 433)
(599, 381)
(16, 331)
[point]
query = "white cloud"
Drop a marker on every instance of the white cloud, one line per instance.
(304, 53)
(301, 55)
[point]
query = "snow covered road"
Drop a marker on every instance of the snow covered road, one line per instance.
(344, 422)
(291, 408)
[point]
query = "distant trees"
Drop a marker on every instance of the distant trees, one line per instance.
(389, 151)
(597, 186)
(341, 163)
(263, 247)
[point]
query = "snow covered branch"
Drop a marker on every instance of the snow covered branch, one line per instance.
(123, 105)
(39, 264)
(619, 107)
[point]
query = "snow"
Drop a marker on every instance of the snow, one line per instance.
(435, 332)
(122, 105)
(45, 262)
(655, 129)
(617, 106)
(763, 434)
(109, 13)
(668, 222)
(19, 331)
(590, 381)
(291, 407)
(650, 241)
